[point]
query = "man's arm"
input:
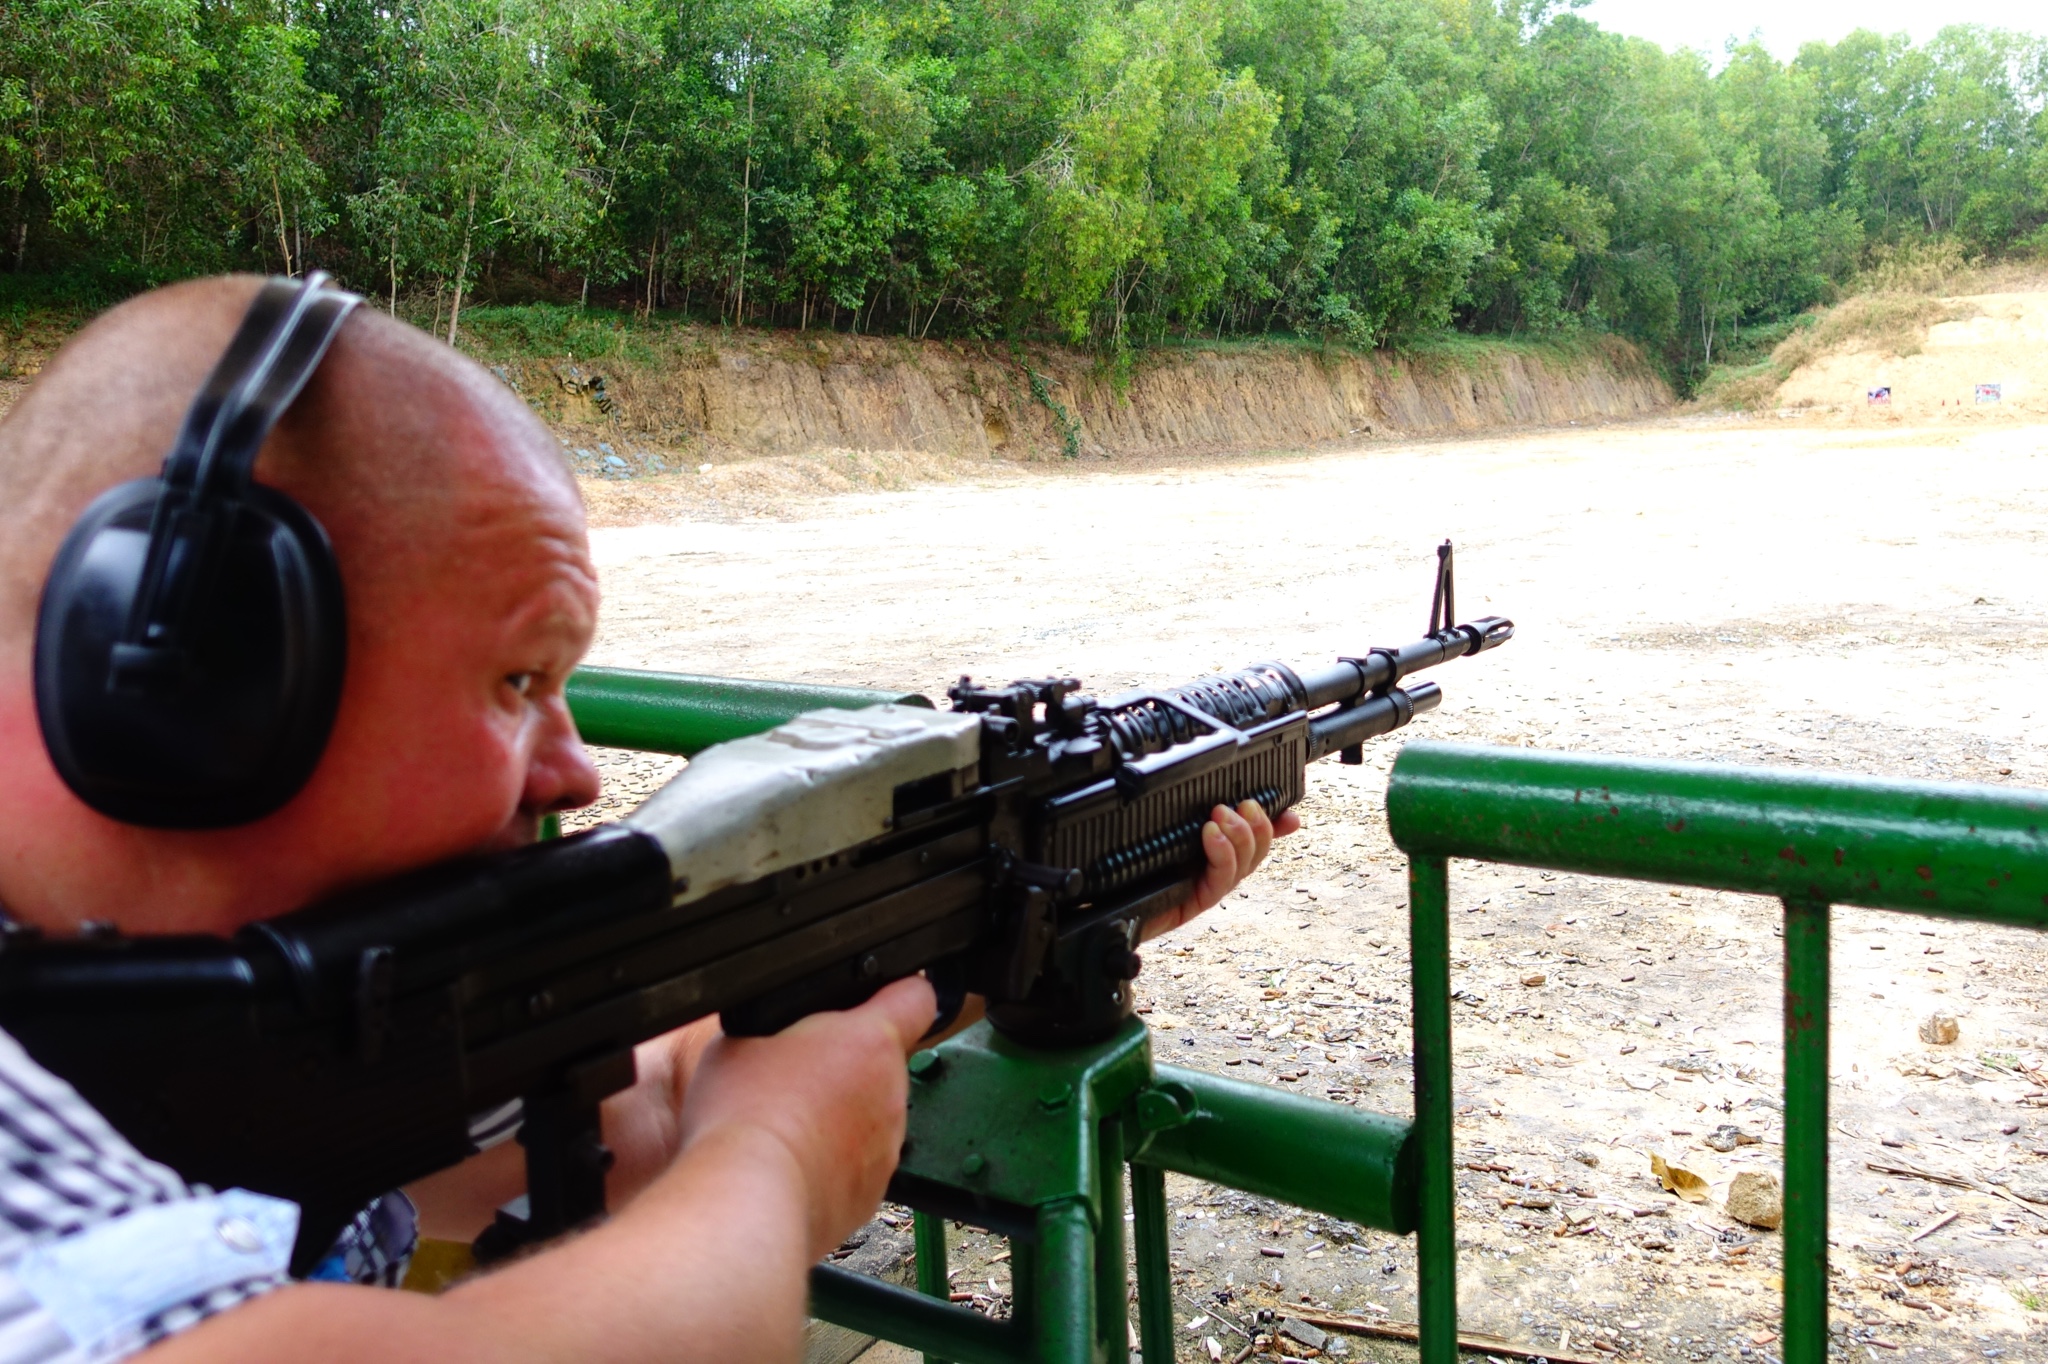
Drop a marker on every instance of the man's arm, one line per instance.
(786, 1145)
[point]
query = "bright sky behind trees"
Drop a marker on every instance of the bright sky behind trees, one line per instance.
(1785, 24)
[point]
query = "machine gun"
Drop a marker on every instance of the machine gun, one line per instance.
(1012, 846)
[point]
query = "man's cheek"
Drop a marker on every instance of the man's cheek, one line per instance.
(445, 783)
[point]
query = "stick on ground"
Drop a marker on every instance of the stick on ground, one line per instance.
(1473, 1343)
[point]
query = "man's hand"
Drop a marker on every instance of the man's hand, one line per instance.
(1236, 841)
(829, 1090)
(643, 1128)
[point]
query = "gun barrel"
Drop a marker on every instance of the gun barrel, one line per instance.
(1355, 724)
(1350, 678)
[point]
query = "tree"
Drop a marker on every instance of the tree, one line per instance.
(1104, 171)
(96, 99)
(486, 128)
(273, 111)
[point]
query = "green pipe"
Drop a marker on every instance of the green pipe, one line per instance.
(1806, 1132)
(1436, 1244)
(1023, 1279)
(1155, 1264)
(1065, 1322)
(1971, 852)
(1356, 1165)
(1112, 1282)
(685, 713)
(928, 1240)
(895, 1313)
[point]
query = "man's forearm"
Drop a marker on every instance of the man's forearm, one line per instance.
(726, 1224)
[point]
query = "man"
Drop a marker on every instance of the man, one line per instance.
(471, 596)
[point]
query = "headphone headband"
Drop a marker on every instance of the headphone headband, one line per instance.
(282, 339)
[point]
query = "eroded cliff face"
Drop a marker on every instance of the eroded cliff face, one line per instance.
(779, 394)
(693, 393)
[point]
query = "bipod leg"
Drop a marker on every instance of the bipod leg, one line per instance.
(566, 1161)
(566, 1158)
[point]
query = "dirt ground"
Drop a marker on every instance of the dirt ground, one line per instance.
(1860, 600)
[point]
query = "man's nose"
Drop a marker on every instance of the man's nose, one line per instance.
(559, 775)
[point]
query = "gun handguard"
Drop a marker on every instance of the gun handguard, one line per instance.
(1013, 846)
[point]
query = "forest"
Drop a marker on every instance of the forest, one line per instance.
(1110, 173)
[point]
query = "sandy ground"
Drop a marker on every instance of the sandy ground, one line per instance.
(1771, 593)
(1996, 339)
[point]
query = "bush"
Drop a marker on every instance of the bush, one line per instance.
(1915, 265)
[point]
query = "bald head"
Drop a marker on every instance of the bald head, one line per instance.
(395, 436)
(470, 595)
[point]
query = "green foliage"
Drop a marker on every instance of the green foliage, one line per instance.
(1119, 173)
(1062, 419)
(520, 330)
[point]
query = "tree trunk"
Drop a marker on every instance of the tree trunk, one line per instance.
(284, 243)
(739, 312)
(462, 272)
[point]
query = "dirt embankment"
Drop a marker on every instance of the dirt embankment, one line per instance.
(779, 394)
(1986, 357)
(1970, 356)
(667, 397)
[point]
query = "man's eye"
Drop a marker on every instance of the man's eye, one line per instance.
(519, 682)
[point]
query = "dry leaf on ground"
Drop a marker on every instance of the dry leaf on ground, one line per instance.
(1687, 1184)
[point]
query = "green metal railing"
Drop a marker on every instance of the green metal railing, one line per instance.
(1046, 1136)
(1813, 841)
(686, 713)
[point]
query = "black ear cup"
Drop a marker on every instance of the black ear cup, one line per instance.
(192, 632)
(237, 731)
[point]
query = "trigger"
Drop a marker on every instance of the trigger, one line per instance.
(949, 983)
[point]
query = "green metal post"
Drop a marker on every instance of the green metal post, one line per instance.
(1112, 1281)
(928, 1240)
(1149, 1234)
(1806, 1131)
(685, 713)
(1065, 1274)
(1023, 1282)
(1436, 1246)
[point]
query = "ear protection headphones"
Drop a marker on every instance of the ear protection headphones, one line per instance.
(192, 634)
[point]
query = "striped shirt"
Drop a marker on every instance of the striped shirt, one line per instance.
(104, 1252)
